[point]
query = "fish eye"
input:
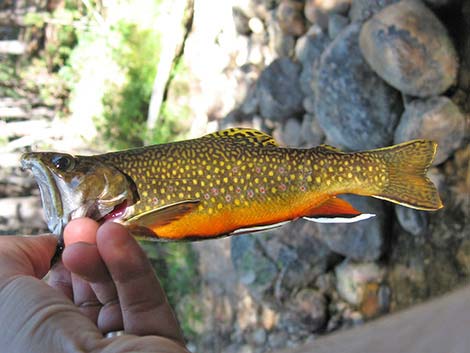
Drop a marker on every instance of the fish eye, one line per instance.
(63, 163)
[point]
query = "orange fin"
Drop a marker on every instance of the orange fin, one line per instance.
(164, 215)
(336, 210)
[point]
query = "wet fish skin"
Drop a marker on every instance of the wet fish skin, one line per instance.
(240, 180)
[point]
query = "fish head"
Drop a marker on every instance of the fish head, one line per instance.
(78, 186)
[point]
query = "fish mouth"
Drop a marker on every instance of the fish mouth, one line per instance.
(50, 194)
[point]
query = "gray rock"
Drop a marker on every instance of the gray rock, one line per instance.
(255, 269)
(413, 221)
(351, 279)
(363, 240)
(281, 43)
(312, 133)
(464, 48)
(361, 10)
(272, 264)
(441, 3)
(278, 90)
(300, 256)
(336, 23)
(308, 51)
(241, 21)
(437, 119)
(317, 11)
(410, 49)
(463, 256)
(307, 312)
(289, 134)
(354, 106)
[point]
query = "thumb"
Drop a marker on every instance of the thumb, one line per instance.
(26, 255)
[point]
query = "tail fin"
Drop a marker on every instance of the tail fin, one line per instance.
(408, 185)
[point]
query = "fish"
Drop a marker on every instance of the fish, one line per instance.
(229, 182)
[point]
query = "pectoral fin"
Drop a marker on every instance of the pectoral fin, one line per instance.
(336, 210)
(164, 215)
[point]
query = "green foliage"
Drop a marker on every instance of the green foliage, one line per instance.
(125, 107)
(176, 265)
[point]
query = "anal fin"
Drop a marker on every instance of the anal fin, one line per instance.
(336, 210)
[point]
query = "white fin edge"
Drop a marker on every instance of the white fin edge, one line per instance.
(358, 218)
(258, 228)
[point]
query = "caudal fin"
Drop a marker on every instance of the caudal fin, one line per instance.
(407, 184)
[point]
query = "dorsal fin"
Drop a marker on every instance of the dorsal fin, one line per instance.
(248, 136)
(328, 148)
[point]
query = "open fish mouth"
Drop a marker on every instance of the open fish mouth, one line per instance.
(50, 195)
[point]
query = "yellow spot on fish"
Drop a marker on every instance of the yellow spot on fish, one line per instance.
(350, 175)
(220, 206)
(237, 202)
(318, 180)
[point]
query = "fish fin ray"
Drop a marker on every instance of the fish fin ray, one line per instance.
(407, 182)
(246, 136)
(258, 228)
(328, 148)
(163, 215)
(340, 219)
(333, 207)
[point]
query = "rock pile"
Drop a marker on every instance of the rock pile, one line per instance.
(357, 75)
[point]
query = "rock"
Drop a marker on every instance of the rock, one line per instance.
(441, 3)
(336, 23)
(464, 48)
(291, 18)
(413, 221)
(281, 44)
(361, 10)
(355, 108)
(241, 21)
(256, 270)
(361, 241)
(289, 134)
(463, 256)
(312, 133)
(410, 49)
(317, 11)
(308, 51)
(279, 90)
(271, 265)
(277, 339)
(352, 279)
(437, 119)
(307, 311)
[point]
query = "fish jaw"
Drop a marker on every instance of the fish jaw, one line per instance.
(50, 194)
(90, 188)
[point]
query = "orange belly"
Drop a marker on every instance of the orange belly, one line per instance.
(204, 224)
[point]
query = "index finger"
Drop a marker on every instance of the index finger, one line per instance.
(145, 309)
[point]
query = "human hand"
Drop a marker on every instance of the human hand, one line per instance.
(103, 285)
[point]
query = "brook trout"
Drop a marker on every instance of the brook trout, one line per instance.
(229, 182)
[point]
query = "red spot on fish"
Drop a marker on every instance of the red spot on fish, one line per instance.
(235, 169)
(262, 189)
(250, 193)
(214, 191)
(238, 190)
(228, 198)
(303, 188)
(170, 188)
(207, 196)
(281, 170)
(258, 170)
(155, 200)
(282, 187)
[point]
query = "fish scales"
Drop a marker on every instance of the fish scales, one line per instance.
(238, 180)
